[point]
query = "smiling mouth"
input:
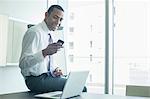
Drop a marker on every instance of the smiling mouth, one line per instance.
(54, 28)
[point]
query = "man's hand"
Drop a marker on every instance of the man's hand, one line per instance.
(51, 49)
(57, 72)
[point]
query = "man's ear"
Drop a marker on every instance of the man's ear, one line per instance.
(46, 14)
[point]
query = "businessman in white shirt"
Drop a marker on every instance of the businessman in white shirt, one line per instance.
(37, 49)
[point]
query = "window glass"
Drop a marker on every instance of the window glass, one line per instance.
(131, 44)
(85, 37)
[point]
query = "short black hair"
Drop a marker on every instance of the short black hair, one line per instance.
(54, 6)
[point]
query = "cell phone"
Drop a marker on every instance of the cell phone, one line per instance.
(61, 42)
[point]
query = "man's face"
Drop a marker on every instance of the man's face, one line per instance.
(53, 20)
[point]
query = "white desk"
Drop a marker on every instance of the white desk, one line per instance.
(106, 96)
(27, 95)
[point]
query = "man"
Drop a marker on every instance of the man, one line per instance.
(37, 47)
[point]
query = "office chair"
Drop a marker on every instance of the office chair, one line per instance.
(134, 90)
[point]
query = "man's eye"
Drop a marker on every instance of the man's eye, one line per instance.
(55, 18)
(61, 19)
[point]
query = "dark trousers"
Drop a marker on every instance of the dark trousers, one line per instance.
(46, 83)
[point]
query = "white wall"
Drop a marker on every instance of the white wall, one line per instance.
(31, 11)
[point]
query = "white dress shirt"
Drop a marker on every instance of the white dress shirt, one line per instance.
(32, 61)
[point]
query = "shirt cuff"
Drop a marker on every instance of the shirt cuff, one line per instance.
(52, 69)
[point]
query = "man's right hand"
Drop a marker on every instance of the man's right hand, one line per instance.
(51, 49)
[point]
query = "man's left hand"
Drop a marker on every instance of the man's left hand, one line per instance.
(58, 72)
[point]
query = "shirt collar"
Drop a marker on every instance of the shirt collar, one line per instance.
(45, 28)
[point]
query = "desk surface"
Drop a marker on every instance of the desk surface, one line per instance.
(27, 95)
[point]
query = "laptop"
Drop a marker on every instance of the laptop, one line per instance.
(74, 86)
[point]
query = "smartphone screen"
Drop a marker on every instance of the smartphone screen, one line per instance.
(61, 42)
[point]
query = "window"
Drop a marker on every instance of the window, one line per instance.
(131, 44)
(86, 33)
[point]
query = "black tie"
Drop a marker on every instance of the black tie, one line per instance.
(49, 63)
